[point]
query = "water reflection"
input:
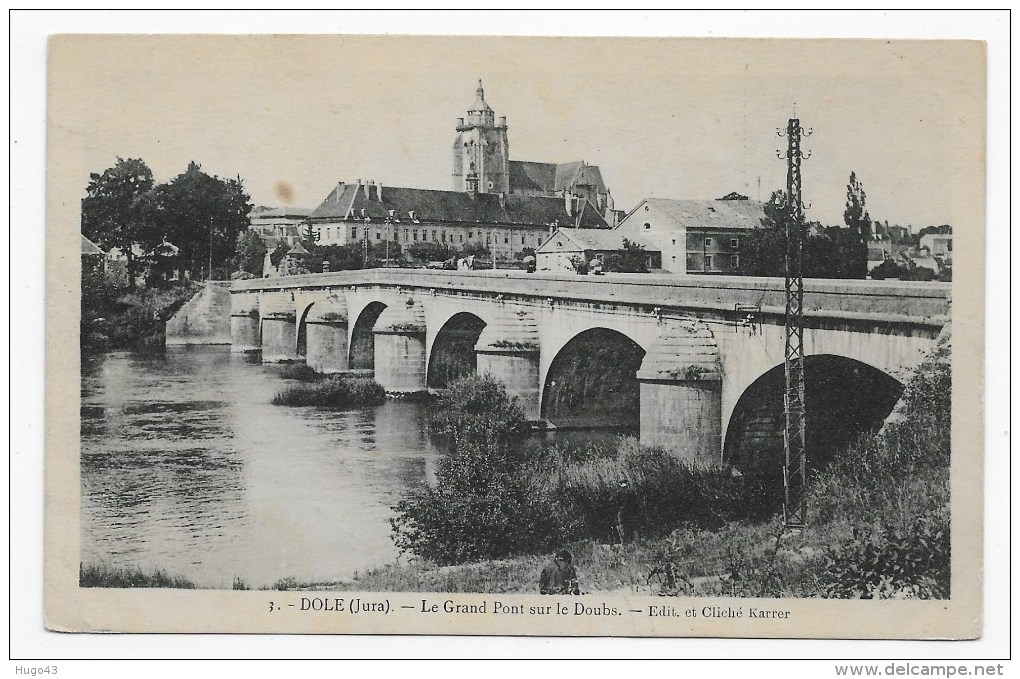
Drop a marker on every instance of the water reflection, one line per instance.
(186, 466)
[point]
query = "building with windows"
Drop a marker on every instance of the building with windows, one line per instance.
(568, 246)
(277, 225)
(694, 236)
(503, 223)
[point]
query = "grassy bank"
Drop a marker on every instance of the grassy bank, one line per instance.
(102, 575)
(334, 391)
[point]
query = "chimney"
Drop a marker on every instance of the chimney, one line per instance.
(502, 121)
(502, 200)
(368, 191)
(460, 122)
(378, 192)
(568, 204)
(339, 190)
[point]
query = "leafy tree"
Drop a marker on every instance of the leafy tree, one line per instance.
(856, 214)
(203, 215)
(117, 212)
(837, 253)
(277, 255)
(631, 259)
(251, 252)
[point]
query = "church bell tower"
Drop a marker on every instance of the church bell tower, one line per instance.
(481, 142)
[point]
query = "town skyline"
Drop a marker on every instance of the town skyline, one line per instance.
(292, 116)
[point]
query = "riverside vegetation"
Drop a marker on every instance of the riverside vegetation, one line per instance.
(328, 391)
(637, 519)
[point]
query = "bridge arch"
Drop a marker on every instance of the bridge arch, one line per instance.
(592, 381)
(362, 342)
(844, 398)
(453, 350)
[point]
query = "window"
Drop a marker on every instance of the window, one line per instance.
(734, 242)
(469, 235)
(506, 240)
(522, 240)
(378, 236)
(396, 236)
(674, 243)
(708, 261)
(329, 232)
(708, 242)
(435, 236)
(647, 226)
(405, 235)
(414, 234)
(488, 238)
(461, 238)
(444, 236)
(735, 261)
(354, 233)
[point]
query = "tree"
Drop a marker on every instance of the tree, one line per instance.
(203, 215)
(838, 253)
(251, 252)
(117, 213)
(856, 214)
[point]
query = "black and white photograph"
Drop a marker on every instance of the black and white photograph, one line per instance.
(515, 335)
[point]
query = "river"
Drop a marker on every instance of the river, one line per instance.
(188, 468)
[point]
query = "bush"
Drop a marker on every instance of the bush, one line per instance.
(647, 491)
(338, 391)
(883, 563)
(300, 372)
(891, 491)
(483, 505)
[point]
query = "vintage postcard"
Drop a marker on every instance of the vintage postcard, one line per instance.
(515, 336)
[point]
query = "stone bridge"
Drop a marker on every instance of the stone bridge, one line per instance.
(694, 363)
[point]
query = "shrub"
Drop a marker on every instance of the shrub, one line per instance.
(891, 492)
(642, 490)
(300, 372)
(483, 504)
(883, 563)
(338, 391)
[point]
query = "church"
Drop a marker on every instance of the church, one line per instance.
(483, 143)
(502, 204)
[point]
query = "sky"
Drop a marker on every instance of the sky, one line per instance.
(670, 118)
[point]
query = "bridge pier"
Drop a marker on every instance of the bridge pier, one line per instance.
(244, 322)
(681, 395)
(508, 350)
(279, 330)
(326, 336)
(400, 348)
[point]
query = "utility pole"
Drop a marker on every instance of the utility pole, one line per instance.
(209, 277)
(794, 444)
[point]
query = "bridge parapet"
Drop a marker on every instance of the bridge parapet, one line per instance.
(896, 302)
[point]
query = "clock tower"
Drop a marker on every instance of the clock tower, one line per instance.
(483, 143)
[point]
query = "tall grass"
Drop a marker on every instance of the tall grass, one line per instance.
(337, 391)
(102, 575)
(300, 372)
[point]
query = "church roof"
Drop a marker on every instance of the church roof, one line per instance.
(701, 214)
(346, 201)
(531, 176)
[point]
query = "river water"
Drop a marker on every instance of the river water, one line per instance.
(187, 467)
